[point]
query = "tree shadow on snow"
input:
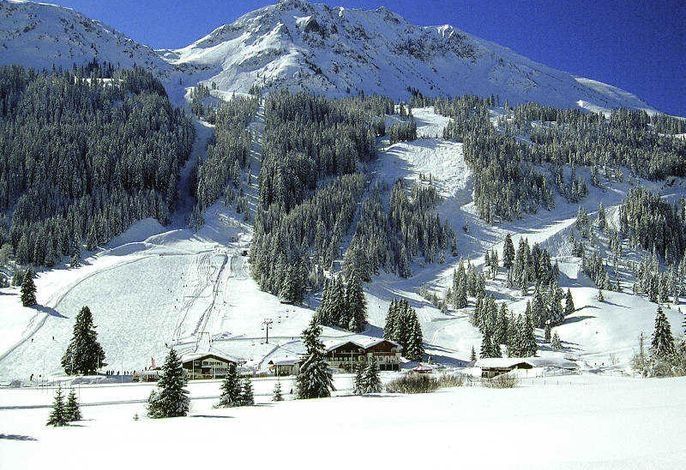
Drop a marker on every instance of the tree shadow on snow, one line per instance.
(577, 319)
(212, 416)
(49, 310)
(17, 437)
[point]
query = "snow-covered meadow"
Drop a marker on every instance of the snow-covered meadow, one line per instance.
(570, 422)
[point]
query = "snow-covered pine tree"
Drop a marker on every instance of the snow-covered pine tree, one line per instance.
(314, 379)
(371, 380)
(356, 304)
(230, 388)
(84, 355)
(71, 408)
(415, 348)
(171, 398)
(28, 289)
(539, 312)
(529, 338)
(247, 397)
(486, 348)
(358, 381)
(555, 342)
(600, 297)
(662, 344)
(277, 394)
(569, 303)
(472, 355)
(508, 252)
(390, 328)
(547, 332)
(460, 287)
(57, 415)
(339, 310)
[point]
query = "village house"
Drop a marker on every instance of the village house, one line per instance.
(285, 366)
(210, 364)
(346, 354)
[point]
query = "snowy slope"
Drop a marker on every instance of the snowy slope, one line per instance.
(340, 52)
(39, 35)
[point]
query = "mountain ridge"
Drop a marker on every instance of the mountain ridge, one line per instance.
(303, 46)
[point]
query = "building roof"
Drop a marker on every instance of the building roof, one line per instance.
(361, 341)
(191, 356)
(506, 362)
(502, 362)
(285, 361)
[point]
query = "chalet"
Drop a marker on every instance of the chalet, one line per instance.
(209, 364)
(348, 353)
(492, 367)
(285, 366)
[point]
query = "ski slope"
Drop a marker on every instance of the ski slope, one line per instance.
(156, 286)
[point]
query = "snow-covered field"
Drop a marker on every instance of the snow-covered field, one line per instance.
(571, 422)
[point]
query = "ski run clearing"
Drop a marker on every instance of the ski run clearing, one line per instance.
(156, 286)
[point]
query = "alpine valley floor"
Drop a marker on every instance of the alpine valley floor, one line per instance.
(568, 422)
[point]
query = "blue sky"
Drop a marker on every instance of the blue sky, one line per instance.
(637, 45)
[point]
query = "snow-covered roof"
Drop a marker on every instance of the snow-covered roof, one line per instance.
(506, 362)
(191, 356)
(362, 341)
(285, 361)
(502, 362)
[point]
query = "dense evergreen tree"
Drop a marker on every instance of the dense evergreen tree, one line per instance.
(662, 342)
(171, 398)
(402, 326)
(314, 379)
(28, 289)
(508, 252)
(247, 396)
(230, 388)
(58, 416)
(84, 355)
(71, 408)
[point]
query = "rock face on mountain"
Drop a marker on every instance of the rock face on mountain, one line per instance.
(312, 47)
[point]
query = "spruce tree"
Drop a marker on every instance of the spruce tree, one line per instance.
(371, 380)
(662, 344)
(276, 394)
(508, 252)
(84, 355)
(569, 303)
(57, 415)
(71, 409)
(356, 304)
(171, 398)
(28, 289)
(472, 355)
(555, 342)
(486, 347)
(230, 388)
(415, 348)
(314, 379)
(247, 397)
(529, 338)
(358, 381)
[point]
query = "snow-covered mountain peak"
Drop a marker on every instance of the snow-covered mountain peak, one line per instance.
(42, 35)
(339, 52)
(300, 45)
